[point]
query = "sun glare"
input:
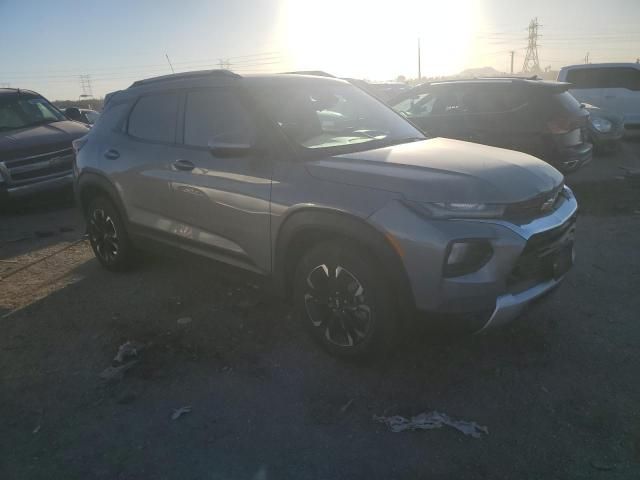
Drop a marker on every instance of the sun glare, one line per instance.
(368, 40)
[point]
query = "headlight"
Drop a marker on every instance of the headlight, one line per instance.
(601, 124)
(457, 210)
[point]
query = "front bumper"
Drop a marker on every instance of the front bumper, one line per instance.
(490, 296)
(510, 306)
(50, 184)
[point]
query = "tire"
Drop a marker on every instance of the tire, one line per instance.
(343, 301)
(108, 235)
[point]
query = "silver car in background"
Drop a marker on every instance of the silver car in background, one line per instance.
(347, 208)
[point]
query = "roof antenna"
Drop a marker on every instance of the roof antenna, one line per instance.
(169, 62)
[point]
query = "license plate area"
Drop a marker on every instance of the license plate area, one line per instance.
(560, 262)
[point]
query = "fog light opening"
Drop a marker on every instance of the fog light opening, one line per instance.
(466, 256)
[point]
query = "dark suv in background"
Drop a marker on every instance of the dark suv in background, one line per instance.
(533, 116)
(35, 144)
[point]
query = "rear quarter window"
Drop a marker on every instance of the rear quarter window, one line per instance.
(112, 118)
(154, 118)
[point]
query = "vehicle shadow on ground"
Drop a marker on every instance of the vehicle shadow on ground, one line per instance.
(221, 343)
(35, 224)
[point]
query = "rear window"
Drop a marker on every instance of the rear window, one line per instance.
(154, 118)
(615, 77)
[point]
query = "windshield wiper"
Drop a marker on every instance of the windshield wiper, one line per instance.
(400, 141)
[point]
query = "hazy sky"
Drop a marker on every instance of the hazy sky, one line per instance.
(46, 45)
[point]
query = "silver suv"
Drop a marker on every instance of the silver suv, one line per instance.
(340, 201)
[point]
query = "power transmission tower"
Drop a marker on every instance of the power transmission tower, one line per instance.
(5, 85)
(531, 62)
(586, 58)
(85, 85)
(224, 64)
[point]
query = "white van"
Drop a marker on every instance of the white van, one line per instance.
(614, 87)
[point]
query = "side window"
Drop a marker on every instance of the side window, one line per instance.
(419, 105)
(448, 102)
(216, 115)
(492, 99)
(154, 118)
(112, 117)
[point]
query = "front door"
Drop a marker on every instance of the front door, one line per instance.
(221, 187)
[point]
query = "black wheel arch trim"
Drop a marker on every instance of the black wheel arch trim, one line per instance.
(91, 180)
(328, 222)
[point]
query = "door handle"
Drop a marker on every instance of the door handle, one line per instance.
(112, 154)
(184, 165)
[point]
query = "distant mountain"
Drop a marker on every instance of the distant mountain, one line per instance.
(481, 72)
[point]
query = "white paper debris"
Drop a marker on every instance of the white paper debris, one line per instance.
(178, 412)
(429, 421)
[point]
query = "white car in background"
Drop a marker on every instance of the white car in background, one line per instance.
(613, 87)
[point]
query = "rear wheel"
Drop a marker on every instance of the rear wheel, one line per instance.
(343, 300)
(108, 236)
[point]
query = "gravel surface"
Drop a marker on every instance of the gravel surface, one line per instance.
(558, 390)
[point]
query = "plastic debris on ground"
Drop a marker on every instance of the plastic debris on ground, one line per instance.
(116, 373)
(178, 412)
(430, 421)
(127, 350)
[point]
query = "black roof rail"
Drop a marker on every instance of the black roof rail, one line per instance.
(185, 75)
(20, 90)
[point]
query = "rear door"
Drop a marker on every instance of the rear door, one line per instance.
(139, 159)
(221, 201)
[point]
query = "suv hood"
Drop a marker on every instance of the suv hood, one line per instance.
(39, 139)
(443, 170)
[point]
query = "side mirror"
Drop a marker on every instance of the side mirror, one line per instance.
(222, 149)
(73, 113)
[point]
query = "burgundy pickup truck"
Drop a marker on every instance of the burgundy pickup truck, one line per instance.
(35, 144)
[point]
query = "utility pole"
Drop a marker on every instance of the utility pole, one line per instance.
(531, 62)
(586, 58)
(512, 54)
(169, 62)
(419, 66)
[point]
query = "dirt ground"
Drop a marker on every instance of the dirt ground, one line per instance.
(558, 390)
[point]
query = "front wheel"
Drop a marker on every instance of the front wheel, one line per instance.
(108, 236)
(343, 301)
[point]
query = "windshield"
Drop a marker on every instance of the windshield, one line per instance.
(21, 112)
(318, 115)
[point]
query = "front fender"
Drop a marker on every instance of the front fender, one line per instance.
(316, 224)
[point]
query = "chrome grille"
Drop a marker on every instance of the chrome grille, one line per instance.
(25, 170)
(534, 207)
